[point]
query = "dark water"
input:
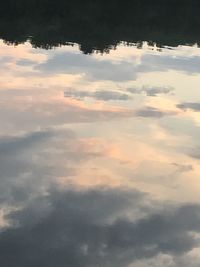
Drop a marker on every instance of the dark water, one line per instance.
(99, 133)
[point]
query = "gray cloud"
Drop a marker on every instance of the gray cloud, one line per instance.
(4, 61)
(24, 62)
(181, 168)
(151, 91)
(111, 95)
(28, 163)
(67, 62)
(194, 152)
(16, 143)
(189, 105)
(151, 112)
(105, 95)
(92, 228)
(88, 65)
(104, 69)
(152, 63)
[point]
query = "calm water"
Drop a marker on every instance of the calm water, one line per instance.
(99, 140)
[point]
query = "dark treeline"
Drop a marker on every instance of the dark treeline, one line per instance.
(100, 24)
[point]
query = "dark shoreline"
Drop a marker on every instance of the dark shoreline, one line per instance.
(100, 25)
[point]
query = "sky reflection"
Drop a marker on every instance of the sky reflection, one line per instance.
(99, 157)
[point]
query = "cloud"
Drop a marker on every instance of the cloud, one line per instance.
(104, 95)
(194, 106)
(17, 143)
(194, 152)
(24, 62)
(4, 61)
(92, 228)
(153, 63)
(151, 112)
(70, 63)
(181, 168)
(26, 164)
(151, 91)
(104, 69)
(123, 70)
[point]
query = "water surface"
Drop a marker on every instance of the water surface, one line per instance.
(99, 152)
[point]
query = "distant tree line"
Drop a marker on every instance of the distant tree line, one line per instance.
(99, 24)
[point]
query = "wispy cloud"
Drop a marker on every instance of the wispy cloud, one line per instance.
(151, 91)
(104, 95)
(152, 112)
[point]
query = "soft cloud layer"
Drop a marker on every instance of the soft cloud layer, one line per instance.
(92, 228)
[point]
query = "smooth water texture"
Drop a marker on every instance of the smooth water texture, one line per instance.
(99, 156)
